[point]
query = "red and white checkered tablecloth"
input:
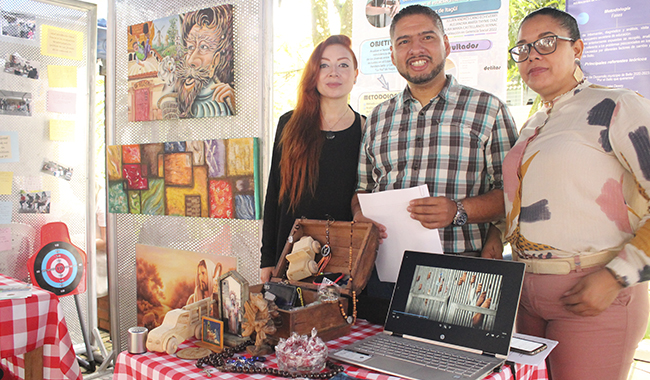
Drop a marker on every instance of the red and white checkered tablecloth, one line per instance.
(32, 322)
(159, 366)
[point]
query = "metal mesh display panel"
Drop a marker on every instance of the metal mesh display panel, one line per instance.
(68, 199)
(240, 238)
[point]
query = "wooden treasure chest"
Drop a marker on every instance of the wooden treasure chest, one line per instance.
(353, 251)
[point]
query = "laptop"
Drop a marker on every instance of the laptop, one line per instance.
(450, 317)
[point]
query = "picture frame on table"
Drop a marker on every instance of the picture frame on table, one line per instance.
(233, 294)
(212, 333)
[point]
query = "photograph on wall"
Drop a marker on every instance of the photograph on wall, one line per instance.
(17, 65)
(170, 278)
(210, 179)
(18, 25)
(15, 103)
(181, 66)
(212, 332)
(34, 202)
(233, 296)
(56, 170)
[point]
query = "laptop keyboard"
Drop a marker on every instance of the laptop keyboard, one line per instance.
(425, 356)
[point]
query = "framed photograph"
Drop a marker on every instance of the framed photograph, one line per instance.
(233, 293)
(212, 333)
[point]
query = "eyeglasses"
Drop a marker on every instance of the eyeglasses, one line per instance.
(544, 46)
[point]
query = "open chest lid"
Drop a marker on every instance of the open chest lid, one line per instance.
(353, 251)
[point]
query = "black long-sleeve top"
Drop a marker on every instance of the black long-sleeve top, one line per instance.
(337, 182)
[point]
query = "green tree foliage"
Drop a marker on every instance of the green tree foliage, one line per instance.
(320, 23)
(518, 10)
(344, 10)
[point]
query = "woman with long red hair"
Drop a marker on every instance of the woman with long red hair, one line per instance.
(316, 151)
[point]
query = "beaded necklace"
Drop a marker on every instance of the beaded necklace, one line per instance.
(219, 361)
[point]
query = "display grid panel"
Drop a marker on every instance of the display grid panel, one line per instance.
(68, 199)
(240, 238)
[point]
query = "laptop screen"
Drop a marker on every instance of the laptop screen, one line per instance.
(465, 301)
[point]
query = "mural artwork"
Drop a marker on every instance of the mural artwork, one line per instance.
(209, 179)
(181, 66)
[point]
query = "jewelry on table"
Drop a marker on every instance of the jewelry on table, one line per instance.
(224, 362)
(326, 250)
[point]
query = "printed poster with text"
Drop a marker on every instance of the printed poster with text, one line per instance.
(477, 32)
(617, 42)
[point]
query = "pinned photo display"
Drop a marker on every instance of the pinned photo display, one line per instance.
(17, 65)
(18, 25)
(15, 103)
(34, 202)
(52, 168)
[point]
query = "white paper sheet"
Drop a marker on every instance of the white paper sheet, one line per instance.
(404, 233)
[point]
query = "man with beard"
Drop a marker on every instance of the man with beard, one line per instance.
(206, 282)
(451, 137)
(205, 72)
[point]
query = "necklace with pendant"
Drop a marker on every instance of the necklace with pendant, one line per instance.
(329, 134)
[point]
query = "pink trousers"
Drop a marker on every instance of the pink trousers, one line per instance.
(590, 348)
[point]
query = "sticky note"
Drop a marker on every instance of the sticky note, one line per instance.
(62, 102)
(62, 130)
(62, 76)
(6, 180)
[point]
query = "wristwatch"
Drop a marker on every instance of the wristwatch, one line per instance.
(461, 215)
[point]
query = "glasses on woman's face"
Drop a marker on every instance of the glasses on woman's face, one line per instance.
(544, 46)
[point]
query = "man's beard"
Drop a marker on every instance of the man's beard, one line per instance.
(203, 287)
(423, 78)
(186, 96)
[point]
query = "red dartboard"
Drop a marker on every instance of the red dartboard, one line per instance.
(58, 267)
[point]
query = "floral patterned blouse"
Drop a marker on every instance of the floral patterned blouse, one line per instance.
(578, 180)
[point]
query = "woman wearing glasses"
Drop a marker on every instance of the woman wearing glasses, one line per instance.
(577, 185)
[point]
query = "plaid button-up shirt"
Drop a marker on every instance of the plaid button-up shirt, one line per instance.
(455, 145)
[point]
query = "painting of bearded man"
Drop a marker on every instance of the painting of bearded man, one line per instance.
(204, 72)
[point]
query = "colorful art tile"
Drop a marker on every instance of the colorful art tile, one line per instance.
(151, 157)
(244, 207)
(175, 147)
(241, 157)
(131, 154)
(178, 169)
(114, 162)
(187, 178)
(175, 195)
(117, 201)
(134, 202)
(198, 152)
(153, 200)
(135, 180)
(221, 199)
(193, 205)
(215, 157)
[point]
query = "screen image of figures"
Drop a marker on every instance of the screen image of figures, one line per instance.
(455, 297)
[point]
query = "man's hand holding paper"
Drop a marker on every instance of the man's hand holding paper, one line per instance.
(390, 208)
